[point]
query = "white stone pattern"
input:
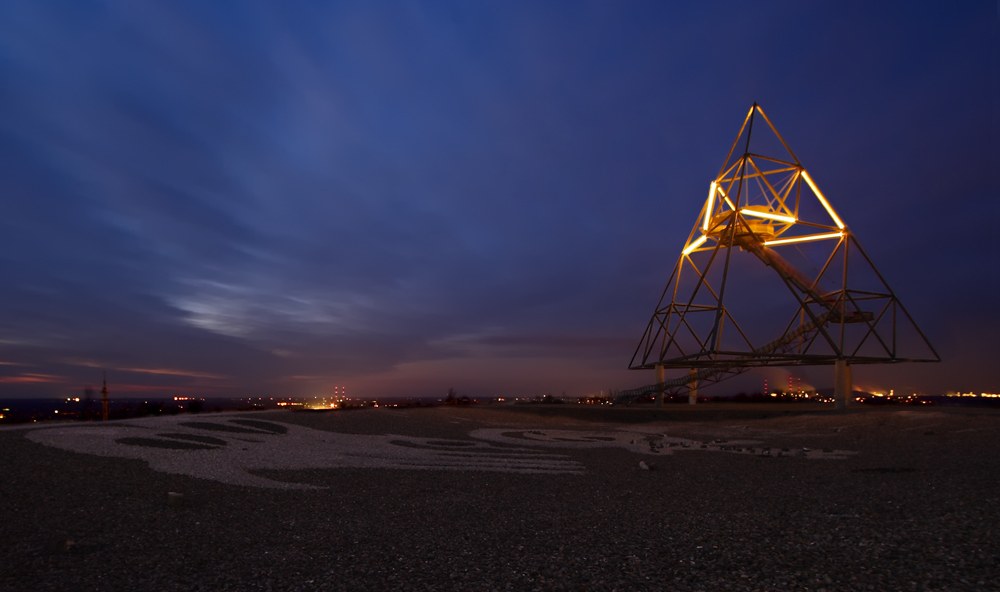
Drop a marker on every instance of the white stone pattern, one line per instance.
(230, 450)
(644, 441)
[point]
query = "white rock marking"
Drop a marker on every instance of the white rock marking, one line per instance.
(234, 456)
(640, 442)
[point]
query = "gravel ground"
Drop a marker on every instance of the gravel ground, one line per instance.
(914, 508)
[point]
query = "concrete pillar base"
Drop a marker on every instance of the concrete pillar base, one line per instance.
(693, 386)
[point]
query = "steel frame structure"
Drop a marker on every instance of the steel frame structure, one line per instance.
(763, 206)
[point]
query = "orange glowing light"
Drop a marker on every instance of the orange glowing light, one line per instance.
(822, 200)
(770, 215)
(802, 239)
(708, 206)
(726, 197)
(697, 243)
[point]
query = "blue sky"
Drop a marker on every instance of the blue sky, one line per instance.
(275, 198)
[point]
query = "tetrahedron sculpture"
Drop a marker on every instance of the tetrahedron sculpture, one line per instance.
(771, 275)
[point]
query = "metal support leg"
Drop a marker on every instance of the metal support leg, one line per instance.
(693, 388)
(659, 391)
(842, 385)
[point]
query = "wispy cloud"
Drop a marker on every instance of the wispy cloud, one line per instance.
(258, 313)
(170, 372)
(148, 388)
(29, 378)
(160, 371)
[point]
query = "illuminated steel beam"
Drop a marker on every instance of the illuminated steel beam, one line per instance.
(763, 172)
(726, 197)
(770, 215)
(822, 200)
(775, 130)
(708, 205)
(803, 239)
(697, 243)
(763, 178)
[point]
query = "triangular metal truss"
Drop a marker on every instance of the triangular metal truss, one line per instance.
(766, 208)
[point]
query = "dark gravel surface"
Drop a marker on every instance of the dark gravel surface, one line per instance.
(915, 509)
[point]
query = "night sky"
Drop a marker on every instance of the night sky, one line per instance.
(264, 199)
